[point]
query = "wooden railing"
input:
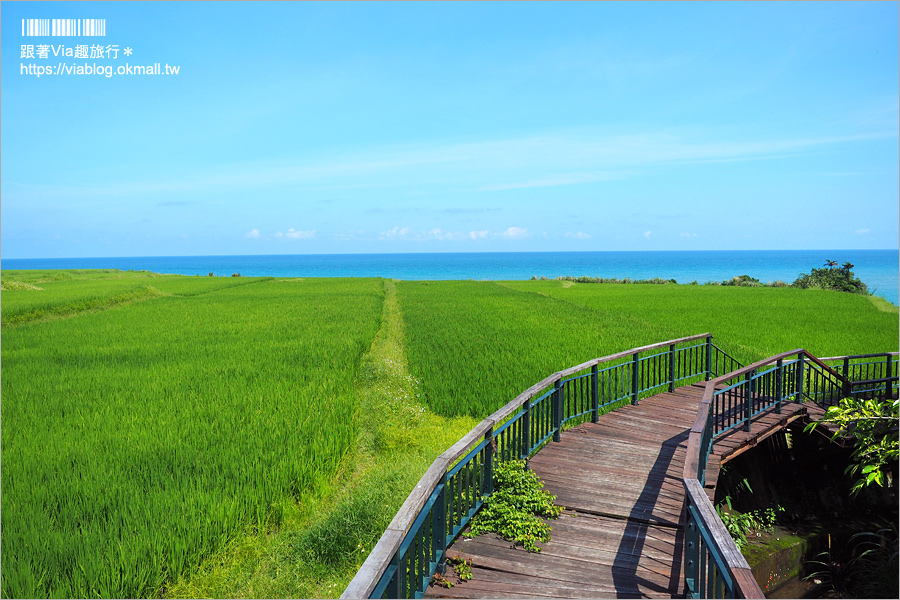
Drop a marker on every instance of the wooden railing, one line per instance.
(869, 374)
(714, 567)
(414, 545)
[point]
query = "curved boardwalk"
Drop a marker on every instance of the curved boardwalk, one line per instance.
(620, 481)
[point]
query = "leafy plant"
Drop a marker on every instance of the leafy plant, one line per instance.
(514, 509)
(739, 525)
(873, 422)
(462, 567)
(868, 568)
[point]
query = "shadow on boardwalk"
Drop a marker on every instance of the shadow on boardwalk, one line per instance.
(628, 582)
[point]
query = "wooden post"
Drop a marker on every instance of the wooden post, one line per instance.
(846, 367)
(799, 381)
(525, 449)
(595, 395)
(672, 367)
(635, 379)
(709, 373)
(779, 385)
(556, 408)
(748, 400)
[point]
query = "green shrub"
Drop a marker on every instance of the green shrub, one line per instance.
(513, 510)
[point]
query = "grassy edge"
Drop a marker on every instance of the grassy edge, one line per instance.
(80, 307)
(325, 538)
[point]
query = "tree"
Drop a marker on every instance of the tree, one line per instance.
(873, 422)
(841, 280)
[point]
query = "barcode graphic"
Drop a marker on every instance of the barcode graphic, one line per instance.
(64, 27)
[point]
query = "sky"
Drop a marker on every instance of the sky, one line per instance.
(307, 128)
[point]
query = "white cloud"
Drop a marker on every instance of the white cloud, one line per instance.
(297, 235)
(395, 233)
(862, 231)
(439, 234)
(515, 233)
(647, 234)
(578, 236)
(253, 233)
(688, 235)
(479, 235)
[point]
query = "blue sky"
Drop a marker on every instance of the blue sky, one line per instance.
(454, 127)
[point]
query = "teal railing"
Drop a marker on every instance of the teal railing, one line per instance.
(414, 545)
(714, 567)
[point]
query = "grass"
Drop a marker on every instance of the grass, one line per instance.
(247, 437)
(323, 541)
(170, 427)
(476, 345)
(751, 323)
(50, 295)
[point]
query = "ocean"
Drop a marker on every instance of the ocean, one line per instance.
(879, 269)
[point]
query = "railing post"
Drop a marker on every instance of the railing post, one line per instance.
(525, 450)
(556, 407)
(488, 468)
(799, 377)
(672, 367)
(595, 394)
(635, 379)
(779, 385)
(748, 400)
(846, 371)
(439, 526)
(709, 345)
(691, 553)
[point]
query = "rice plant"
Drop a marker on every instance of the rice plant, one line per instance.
(137, 441)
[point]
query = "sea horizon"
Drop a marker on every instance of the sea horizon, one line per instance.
(879, 269)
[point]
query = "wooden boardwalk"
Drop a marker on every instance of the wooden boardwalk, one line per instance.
(620, 481)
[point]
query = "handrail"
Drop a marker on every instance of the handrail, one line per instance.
(538, 415)
(725, 573)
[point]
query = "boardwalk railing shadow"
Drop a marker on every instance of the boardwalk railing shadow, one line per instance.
(628, 581)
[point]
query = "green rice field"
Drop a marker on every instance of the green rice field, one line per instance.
(150, 420)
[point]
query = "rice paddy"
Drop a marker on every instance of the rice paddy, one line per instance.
(149, 421)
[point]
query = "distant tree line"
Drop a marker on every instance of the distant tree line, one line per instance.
(828, 278)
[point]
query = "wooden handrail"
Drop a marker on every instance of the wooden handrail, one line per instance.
(380, 557)
(879, 355)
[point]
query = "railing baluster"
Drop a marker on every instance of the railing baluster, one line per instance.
(709, 365)
(635, 382)
(887, 372)
(779, 379)
(488, 485)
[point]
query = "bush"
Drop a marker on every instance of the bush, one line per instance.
(743, 281)
(829, 278)
(514, 509)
